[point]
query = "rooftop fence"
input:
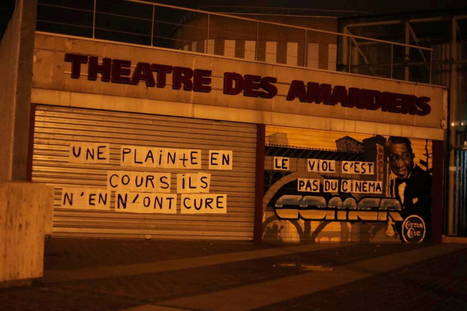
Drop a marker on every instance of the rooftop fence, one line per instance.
(162, 25)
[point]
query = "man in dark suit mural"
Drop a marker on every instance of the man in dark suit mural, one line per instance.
(412, 186)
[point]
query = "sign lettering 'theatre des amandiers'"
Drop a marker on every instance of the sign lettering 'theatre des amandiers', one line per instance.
(199, 80)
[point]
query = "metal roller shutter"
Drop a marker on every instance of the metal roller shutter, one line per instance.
(57, 127)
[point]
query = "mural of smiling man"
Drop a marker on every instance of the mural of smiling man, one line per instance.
(329, 186)
(412, 187)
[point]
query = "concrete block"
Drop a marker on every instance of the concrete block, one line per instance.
(25, 218)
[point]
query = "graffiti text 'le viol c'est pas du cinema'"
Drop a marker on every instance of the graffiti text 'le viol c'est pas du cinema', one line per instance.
(149, 192)
(331, 167)
(328, 166)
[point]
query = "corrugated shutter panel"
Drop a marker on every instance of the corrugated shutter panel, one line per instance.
(55, 127)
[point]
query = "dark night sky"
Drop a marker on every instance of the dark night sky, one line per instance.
(6, 8)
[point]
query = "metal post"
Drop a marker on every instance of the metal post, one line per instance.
(257, 42)
(406, 52)
(94, 21)
(152, 24)
(206, 46)
(453, 86)
(431, 68)
(391, 68)
(305, 50)
(344, 49)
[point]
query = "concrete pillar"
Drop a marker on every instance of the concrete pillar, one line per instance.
(25, 208)
(16, 57)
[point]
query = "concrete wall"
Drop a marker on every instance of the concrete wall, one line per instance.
(16, 53)
(223, 28)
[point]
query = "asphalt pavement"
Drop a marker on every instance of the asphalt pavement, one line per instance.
(150, 275)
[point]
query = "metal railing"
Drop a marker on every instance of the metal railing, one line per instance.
(168, 26)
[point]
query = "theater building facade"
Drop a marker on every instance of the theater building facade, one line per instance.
(147, 142)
